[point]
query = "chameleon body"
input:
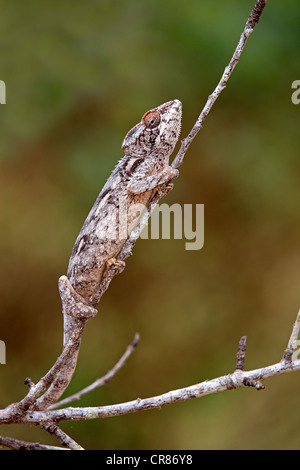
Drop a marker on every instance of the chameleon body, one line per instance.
(145, 166)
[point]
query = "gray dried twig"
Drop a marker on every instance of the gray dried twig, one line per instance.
(16, 444)
(102, 380)
(239, 378)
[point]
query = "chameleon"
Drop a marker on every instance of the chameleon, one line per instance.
(131, 185)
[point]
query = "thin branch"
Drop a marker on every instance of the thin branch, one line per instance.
(239, 378)
(241, 353)
(252, 21)
(292, 344)
(16, 444)
(102, 380)
(61, 436)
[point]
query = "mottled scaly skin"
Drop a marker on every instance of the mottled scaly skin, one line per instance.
(147, 147)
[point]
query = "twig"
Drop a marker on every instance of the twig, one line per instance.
(239, 378)
(241, 353)
(252, 21)
(16, 444)
(240, 365)
(291, 347)
(61, 436)
(102, 380)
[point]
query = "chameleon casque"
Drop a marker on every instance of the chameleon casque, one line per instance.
(145, 166)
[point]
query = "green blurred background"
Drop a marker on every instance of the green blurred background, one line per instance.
(79, 75)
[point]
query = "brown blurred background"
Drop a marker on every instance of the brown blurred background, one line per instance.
(79, 75)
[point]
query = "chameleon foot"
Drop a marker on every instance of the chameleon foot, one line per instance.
(165, 189)
(119, 265)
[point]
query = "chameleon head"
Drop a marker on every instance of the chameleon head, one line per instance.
(157, 132)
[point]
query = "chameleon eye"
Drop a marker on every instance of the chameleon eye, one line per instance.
(151, 119)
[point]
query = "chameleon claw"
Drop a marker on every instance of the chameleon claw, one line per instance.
(120, 265)
(111, 261)
(168, 187)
